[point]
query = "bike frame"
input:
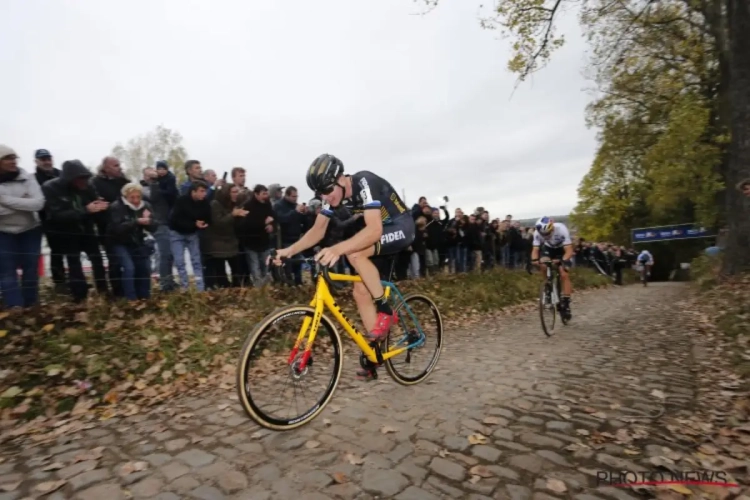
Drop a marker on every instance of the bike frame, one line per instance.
(553, 277)
(324, 300)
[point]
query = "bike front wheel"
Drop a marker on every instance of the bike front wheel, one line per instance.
(546, 307)
(419, 326)
(270, 367)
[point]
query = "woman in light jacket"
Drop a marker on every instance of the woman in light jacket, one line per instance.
(130, 218)
(20, 232)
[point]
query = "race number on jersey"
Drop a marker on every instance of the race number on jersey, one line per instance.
(364, 193)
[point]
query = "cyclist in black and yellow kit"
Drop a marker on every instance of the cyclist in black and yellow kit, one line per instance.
(388, 229)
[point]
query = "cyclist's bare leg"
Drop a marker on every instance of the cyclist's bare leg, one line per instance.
(369, 288)
(365, 306)
(567, 285)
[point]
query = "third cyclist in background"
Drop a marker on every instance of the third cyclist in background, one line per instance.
(647, 261)
(555, 242)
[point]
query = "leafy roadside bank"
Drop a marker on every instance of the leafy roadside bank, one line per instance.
(113, 358)
(717, 430)
(722, 309)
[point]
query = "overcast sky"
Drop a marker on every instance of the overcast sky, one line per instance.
(424, 101)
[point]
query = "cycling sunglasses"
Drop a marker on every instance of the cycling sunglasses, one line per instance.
(327, 190)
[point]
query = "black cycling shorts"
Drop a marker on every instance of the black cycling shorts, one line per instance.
(396, 236)
(551, 252)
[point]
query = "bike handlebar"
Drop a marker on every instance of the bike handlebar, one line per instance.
(306, 260)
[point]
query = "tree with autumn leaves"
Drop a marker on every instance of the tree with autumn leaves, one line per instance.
(146, 149)
(673, 110)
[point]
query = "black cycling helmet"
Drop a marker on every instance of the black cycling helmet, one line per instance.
(323, 173)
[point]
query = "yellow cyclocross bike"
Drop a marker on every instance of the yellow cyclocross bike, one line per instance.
(291, 363)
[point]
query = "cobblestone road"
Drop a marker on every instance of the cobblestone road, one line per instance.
(532, 397)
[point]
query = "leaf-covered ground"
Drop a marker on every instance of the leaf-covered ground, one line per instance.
(113, 358)
(719, 428)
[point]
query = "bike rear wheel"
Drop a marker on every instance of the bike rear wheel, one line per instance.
(274, 340)
(547, 307)
(414, 330)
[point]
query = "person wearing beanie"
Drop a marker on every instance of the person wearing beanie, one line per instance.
(72, 207)
(167, 182)
(20, 232)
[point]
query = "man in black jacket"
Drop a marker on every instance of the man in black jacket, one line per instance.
(71, 206)
(108, 184)
(255, 231)
(292, 225)
(45, 171)
(158, 197)
(167, 183)
(191, 213)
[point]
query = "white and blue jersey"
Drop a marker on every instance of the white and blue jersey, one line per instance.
(559, 237)
(645, 257)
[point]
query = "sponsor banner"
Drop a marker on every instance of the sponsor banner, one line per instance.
(667, 233)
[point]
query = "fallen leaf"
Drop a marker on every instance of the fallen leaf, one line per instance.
(11, 392)
(658, 394)
(622, 436)
(93, 454)
(387, 429)
(3, 333)
(480, 471)
(10, 486)
(223, 406)
(47, 329)
(75, 349)
(477, 439)
(707, 449)
(582, 432)
(680, 489)
(312, 444)
(180, 369)
(556, 485)
(444, 453)
(110, 397)
(131, 467)
(340, 478)
(49, 486)
(629, 451)
(53, 370)
(353, 459)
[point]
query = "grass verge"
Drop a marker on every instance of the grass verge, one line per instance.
(72, 360)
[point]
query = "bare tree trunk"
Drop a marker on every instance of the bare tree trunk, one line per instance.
(737, 258)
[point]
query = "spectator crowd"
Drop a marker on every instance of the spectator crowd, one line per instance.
(218, 231)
